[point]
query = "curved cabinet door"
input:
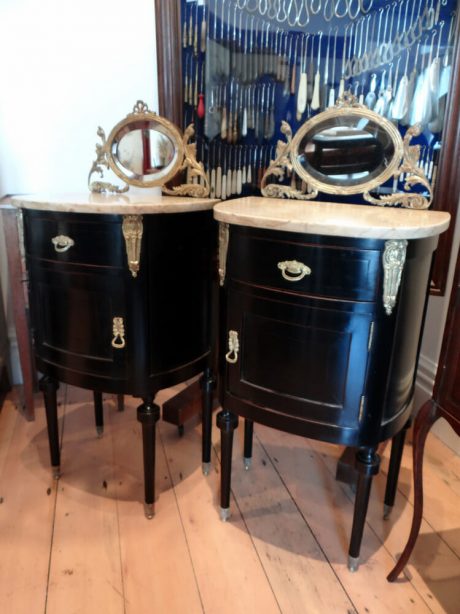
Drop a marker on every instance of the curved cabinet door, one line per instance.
(299, 365)
(73, 311)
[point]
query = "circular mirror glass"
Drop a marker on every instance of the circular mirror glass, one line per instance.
(345, 151)
(143, 151)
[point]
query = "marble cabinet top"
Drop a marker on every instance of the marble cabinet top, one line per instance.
(333, 219)
(133, 202)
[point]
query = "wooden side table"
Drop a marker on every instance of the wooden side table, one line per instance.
(445, 403)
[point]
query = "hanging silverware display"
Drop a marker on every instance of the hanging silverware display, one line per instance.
(248, 65)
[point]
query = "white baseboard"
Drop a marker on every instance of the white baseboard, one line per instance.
(16, 372)
(426, 375)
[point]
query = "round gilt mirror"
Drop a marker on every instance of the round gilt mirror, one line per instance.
(147, 150)
(346, 151)
(144, 150)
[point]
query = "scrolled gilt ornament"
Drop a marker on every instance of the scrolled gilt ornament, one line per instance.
(348, 100)
(272, 190)
(97, 167)
(142, 107)
(279, 167)
(193, 168)
(415, 176)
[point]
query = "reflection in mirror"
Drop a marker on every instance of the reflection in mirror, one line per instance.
(141, 150)
(345, 150)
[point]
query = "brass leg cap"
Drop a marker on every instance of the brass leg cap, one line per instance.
(353, 563)
(224, 513)
(56, 471)
(99, 431)
(206, 468)
(247, 463)
(149, 510)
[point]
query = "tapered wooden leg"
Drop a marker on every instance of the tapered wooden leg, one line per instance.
(227, 423)
(98, 412)
(208, 384)
(367, 465)
(148, 414)
(427, 415)
(397, 446)
(49, 387)
(248, 436)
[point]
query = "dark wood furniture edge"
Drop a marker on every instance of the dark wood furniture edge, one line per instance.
(451, 335)
(169, 60)
(5, 385)
(346, 471)
(184, 405)
(447, 188)
(438, 406)
(16, 284)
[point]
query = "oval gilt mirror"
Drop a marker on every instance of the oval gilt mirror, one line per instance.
(346, 151)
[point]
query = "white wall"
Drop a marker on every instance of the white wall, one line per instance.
(67, 67)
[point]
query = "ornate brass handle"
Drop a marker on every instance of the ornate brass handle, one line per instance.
(292, 270)
(118, 341)
(233, 347)
(62, 243)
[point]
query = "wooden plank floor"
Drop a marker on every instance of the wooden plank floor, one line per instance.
(83, 545)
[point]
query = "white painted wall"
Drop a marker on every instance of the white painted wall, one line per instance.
(67, 67)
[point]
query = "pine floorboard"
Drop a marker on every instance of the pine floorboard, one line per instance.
(83, 545)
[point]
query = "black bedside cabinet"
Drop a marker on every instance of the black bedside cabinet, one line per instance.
(99, 325)
(308, 346)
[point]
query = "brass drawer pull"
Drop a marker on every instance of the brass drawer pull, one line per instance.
(292, 270)
(62, 243)
(233, 347)
(118, 341)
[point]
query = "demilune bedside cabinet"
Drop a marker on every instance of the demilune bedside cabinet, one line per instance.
(120, 293)
(322, 306)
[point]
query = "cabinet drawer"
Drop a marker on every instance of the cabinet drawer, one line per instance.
(94, 240)
(332, 270)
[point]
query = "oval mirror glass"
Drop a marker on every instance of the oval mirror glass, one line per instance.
(346, 151)
(143, 151)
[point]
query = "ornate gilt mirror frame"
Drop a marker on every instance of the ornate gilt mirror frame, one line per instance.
(184, 158)
(404, 161)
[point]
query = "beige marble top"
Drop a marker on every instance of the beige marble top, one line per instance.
(335, 219)
(134, 202)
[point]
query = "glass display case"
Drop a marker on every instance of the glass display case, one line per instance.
(247, 66)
